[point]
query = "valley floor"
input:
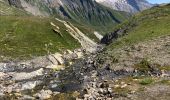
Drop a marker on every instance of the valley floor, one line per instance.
(137, 72)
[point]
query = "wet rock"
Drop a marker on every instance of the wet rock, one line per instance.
(30, 85)
(7, 67)
(54, 85)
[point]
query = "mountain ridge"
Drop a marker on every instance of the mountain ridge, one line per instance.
(87, 11)
(131, 6)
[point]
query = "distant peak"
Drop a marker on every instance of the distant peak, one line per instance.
(126, 5)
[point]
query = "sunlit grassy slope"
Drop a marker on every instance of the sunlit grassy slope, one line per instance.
(144, 26)
(23, 37)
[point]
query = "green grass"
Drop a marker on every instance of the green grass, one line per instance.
(165, 68)
(167, 82)
(146, 81)
(25, 37)
(145, 26)
(102, 19)
(144, 66)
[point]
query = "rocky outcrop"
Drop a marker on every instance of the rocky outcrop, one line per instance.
(86, 43)
(16, 3)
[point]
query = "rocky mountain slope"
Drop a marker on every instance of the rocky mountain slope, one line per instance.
(86, 11)
(131, 6)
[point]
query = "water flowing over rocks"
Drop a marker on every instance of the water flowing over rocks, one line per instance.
(97, 76)
(23, 78)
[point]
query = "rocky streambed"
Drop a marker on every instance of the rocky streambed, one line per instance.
(38, 78)
(137, 72)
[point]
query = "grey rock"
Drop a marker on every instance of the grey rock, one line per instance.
(30, 85)
(25, 75)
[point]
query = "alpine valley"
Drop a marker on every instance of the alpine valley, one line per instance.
(84, 50)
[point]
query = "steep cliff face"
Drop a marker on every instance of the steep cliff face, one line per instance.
(126, 5)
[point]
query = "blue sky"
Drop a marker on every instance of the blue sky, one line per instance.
(159, 1)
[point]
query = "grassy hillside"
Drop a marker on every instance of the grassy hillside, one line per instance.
(95, 15)
(144, 26)
(23, 37)
(86, 12)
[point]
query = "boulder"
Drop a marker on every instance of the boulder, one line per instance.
(52, 59)
(30, 85)
(59, 58)
(25, 75)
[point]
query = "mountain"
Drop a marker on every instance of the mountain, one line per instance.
(84, 11)
(131, 6)
(34, 23)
